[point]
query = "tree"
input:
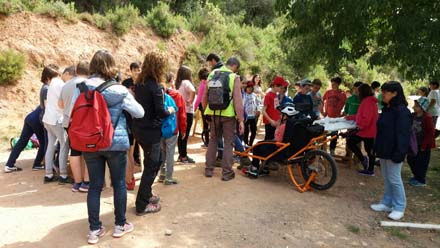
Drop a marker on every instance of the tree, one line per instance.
(401, 33)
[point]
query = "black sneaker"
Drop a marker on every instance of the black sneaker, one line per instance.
(50, 179)
(38, 167)
(12, 169)
(62, 181)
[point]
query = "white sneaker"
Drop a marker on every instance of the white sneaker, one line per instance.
(395, 215)
(121, 230)
(380, 208)
(95, 235)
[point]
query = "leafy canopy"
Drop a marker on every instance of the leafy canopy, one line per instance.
(401, 33)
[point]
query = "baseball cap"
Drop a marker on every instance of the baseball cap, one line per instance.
(305, 82)
(423, 103)
(278, 80)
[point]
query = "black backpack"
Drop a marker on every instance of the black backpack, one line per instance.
(219, 92)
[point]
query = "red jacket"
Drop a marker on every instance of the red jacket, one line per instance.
(366, 117)
(181, 113)
(428, 132)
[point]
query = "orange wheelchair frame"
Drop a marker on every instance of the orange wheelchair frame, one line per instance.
(294, 160)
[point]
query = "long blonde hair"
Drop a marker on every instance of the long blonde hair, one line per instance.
(155, 66)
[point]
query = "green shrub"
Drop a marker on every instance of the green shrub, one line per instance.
(102, 22)
(57, 9)
(86, 17)
(207, 19)
(8, 7)
(123, 19)
(162, 20)
(12, 64)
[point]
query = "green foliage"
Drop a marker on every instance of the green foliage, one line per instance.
(102, 22)
(86, 17)
(206, 19)
(57, 9)
(162, 20)
(12, 64)
(123, 19)
(402, 34)
(8, 7)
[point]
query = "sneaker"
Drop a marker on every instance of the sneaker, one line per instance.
(38, 167)
(365, 163)
(380, 207)
(12, 169)
(187, 160)
(50, 179)
(84, 187)
(75, 187)
(161, 178)
(121, 230)
(416, 183)
(395, 215)
(229, 177)
(171, 181)
(95, 235)
(366, 173)
(208, 173)
(64, 180)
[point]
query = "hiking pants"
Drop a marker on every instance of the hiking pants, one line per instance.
(54, 133)
(250, 125)
(167, 148)
(227, 124)
(352, 143)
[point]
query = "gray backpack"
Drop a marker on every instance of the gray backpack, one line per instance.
(219, 92)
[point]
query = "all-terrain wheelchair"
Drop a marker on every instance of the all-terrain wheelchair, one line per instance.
(308, 166)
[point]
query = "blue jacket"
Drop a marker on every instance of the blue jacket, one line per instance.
(118, 99)
(393, 133)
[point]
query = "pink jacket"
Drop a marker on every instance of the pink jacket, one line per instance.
(366, 117)
(200, 93)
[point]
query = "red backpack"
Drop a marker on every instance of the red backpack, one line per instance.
(90, 127)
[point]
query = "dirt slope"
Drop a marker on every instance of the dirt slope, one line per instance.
(45, 40)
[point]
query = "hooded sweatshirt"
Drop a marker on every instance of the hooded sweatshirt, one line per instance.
(181, 114)
(366, 117)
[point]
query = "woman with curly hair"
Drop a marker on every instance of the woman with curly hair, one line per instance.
(149, 92)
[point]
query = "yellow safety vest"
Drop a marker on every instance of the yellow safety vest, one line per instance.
(229, 111)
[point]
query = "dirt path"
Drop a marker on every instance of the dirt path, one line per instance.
(203, 212)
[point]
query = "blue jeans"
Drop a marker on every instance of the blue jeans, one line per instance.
(117, 161)
(152, 162)
(394, 195)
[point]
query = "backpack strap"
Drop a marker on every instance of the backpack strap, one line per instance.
(105, 85)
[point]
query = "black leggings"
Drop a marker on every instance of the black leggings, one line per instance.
(352, 143)
(182, 143)
(252, 125)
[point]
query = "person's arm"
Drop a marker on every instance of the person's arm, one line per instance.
(402, 131)
(432, 99)
(181, 115)
(347, 106)
(428, 132)
(238, 103)
(343, 99)
(322, 107)
(366, 115)
(191, 93)
(130, 105)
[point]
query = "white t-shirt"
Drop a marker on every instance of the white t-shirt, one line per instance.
(434, 110)
(53, 114)
(185, 89)
(66, 96)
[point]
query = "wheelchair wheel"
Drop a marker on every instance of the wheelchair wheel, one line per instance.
(323, 165)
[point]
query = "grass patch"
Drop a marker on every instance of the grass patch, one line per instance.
(353, 229)
(395, 232)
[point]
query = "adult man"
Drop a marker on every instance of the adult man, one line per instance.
(65, 102)
(225, 119)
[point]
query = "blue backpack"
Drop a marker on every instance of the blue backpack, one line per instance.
(169, 124)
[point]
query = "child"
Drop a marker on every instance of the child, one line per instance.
(423, 128)
(303, 101)
(252, 108)
(316, 97)
(334, 101)
(270, 113)
(353, 102)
